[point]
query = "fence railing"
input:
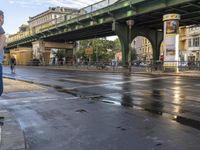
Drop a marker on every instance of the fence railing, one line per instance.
(137, 66)
(167, 65)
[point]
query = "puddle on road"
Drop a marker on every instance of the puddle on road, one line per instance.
(76, 93)
(157, 111)
(154, 107)
(180, 119)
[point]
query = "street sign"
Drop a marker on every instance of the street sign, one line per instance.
(89, 51)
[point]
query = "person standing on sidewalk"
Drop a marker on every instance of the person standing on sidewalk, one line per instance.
(2, 45)
(12, 64)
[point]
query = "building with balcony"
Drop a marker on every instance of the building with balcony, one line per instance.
(183, 43)
(51, 17)
(147, 50)
(193, 43)
(143, 48)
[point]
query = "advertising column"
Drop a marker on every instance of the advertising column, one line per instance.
(171, 42)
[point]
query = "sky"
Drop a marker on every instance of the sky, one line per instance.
(17, 12)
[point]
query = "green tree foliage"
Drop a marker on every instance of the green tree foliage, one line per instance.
(103, 50)
(117, 45)
(60, 53)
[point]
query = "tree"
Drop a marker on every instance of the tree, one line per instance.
(60, 53)
(117, 45)
(103, 50)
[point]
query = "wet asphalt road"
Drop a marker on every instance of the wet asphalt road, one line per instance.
(88, 110)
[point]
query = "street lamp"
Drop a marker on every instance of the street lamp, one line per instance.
(130, 23)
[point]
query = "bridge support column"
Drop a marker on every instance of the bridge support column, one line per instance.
(156, 38)
(122, 31)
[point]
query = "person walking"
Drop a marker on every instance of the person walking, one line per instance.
(2, 45)
(12, 64)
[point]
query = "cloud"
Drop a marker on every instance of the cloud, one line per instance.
(65, 3)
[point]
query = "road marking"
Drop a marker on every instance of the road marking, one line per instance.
(116, 83)
(79, 81)
(34, 100)
(26, 99)
(71, 98)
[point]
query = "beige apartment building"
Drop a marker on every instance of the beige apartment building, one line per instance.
(183, 43)
(193, 43)
(51, 17)
(147, 49)
(143, 48)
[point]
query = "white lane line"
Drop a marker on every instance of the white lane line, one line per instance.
(116, 83)
(79, 81)
(34, 100)
(26, 99)
(71, 98)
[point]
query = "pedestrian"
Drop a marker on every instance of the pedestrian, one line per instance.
(54, 61)
(12, 64)
(113, 63)
(2, 45)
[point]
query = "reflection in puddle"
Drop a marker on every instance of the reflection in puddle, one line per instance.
(176, 99)
(127, 101)
(154, 104)
(113, 87)
(155, 100)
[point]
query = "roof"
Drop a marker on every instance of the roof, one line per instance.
(53, 9)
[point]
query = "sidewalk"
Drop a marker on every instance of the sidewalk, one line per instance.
(11, 137)
(11, 134)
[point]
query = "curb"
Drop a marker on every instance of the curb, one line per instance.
(190, 75)
(181, 74)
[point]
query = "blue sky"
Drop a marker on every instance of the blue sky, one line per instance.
(17, 12)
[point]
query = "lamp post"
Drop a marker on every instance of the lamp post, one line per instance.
(130, 23)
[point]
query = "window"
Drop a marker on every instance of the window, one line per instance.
(196, 42)
(190, 42)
